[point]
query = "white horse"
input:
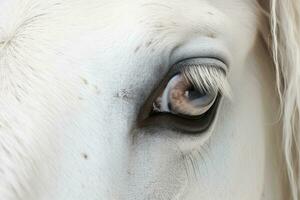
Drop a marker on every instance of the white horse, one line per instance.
(149, 99)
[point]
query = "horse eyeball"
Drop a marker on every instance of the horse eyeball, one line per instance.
(181, 98)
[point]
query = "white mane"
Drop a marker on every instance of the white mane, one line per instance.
(285, 46)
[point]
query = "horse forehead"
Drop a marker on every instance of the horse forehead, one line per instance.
(155, 16)
(162, 17)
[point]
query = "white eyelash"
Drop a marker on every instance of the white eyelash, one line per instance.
(207, 78)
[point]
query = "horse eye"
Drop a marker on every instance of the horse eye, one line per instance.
(181, 98)
(187, 99)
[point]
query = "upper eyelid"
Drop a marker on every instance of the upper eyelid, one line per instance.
(207, 61)
(201, 47)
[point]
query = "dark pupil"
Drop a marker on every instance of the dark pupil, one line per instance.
(195, 94)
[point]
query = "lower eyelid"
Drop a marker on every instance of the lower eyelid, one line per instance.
(182, 124)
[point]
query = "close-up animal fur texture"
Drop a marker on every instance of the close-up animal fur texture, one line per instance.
(149, 100)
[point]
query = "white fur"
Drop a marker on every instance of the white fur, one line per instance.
(75, 73)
